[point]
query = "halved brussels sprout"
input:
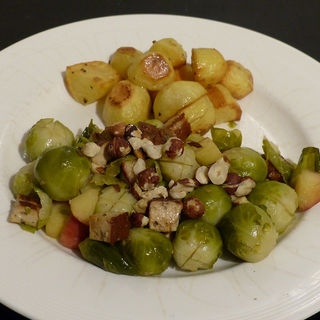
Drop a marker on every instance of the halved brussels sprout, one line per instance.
(216, 202)
(150, 251)
(278, 199)
(24, 180)
(46, 206)
(180, 167)
(226, 139)
(62, 172)
(197, 245)
(247, 162)
(248, 232)
(45, 134)
(106, 256)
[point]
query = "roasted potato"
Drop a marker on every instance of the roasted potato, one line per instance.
(153, 70)
(171, 49)
(127, 103)
(208, 66)
(226, 107)
(237, 79)
(122, 58)
(176, 96)
(90, 81)
(189, 98)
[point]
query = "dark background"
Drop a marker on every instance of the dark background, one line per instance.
(295, 22)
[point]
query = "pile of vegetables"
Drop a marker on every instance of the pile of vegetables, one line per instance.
(150, 188)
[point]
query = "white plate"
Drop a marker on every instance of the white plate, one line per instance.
(42, 280)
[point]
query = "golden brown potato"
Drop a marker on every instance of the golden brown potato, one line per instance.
(152, 70)
(226, 107)
(122, 58)
(90, 81)
(171, 49)
(176, 96)
(127, 103)
(200, 114)
(208, 65)
(186, 72)
(237, 79)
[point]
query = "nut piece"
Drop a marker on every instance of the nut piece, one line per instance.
(202, 175)
(153, 151)
(99, 161)
(139, 166)
(164, 215)
(158, 192)
(131, 131)
(128, 170)
(218, 171)
(173, 148)
(181, 188)
(245, 187)
(141, 206)
(117, 129)
(148, 179)
(118, 147)
(238, 200)
(138, 220)
(193, 208)
(90, 149)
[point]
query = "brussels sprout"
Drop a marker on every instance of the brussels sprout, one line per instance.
(62, 172)
(225, 139)
(216, 202)
(272, 153)
(87, 135)
(24, 180)
(180, 167)
(248, 232)
(150, 251)
(309, 159)
(46, 134)
(278, 199)
(247, 162)
(197, 245)
(106, 256)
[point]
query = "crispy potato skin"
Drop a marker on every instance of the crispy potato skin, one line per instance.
(208, 65)
(88, 82)
(237, 79)
(171, 49)
(122, 58)
(226, 107)
(127, 103)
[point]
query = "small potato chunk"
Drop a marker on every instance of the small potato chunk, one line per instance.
(176, 96)
(153, 71)
(200, 114)
(90, 81)
(226, 107)
(171, 49)
(208, 65)
(237, 79)
(122, 58)
(127, 103)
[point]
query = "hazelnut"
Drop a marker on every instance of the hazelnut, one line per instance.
(202, 175)
(173, 148)
(193, 208)
(148, 179)
(118, 147)
(139, 166)
(245, 187)
(138, 220)
(132, 131)
(117, 129)
(90, 149)
(218, 171)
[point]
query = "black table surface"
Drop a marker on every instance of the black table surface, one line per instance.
(295, 22)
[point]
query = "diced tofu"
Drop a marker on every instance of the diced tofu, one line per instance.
(164, 215)
(25, 210)
(108, 227)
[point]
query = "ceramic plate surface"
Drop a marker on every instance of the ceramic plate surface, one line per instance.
(42, 280)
